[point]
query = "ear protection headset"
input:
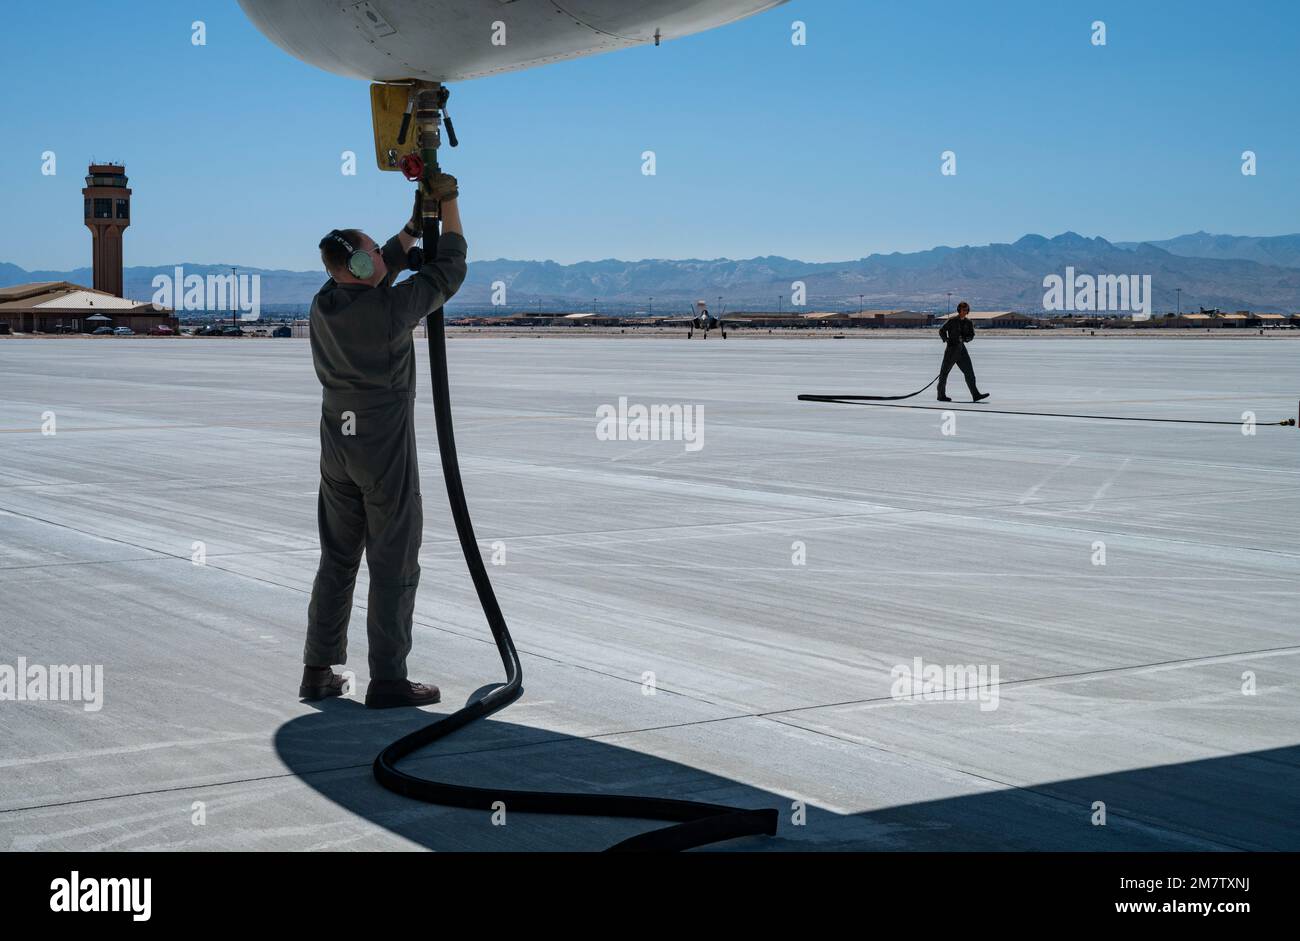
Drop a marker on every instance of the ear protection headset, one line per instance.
(360, 263)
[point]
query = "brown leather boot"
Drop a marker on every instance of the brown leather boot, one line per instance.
(388, 694)
(320, 683)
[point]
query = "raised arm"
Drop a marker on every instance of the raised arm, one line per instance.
(440, 277)
(451, 217)
(410, 233)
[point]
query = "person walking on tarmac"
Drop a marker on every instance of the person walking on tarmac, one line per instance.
(956, 332)
(361, 345)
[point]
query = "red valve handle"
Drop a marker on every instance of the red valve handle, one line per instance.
(412, 167)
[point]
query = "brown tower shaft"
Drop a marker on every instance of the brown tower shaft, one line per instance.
(107, 214)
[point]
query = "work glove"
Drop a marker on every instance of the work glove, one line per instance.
(442, 187)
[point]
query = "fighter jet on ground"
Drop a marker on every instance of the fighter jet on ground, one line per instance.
(701, 319)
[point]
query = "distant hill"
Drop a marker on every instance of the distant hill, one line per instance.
(991, 276)
(1280, 250)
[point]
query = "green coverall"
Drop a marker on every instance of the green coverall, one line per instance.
(369, 498)
(956, 332)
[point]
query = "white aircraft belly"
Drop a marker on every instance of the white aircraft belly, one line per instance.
(452, 40)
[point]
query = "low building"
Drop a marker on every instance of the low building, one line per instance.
(1083, 321)
(61, 306)
(587, 320)
(765, 319)
(869, 318)
(828, 319)
(997, 318)
(907, 318)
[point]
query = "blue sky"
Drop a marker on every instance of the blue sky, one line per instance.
(829, 151)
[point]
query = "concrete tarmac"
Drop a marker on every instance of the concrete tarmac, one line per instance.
(737, 622)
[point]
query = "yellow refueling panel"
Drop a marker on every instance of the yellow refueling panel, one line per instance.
(388, 104)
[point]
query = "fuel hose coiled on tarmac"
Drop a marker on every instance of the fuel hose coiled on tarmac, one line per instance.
(883, 402)
(695, 824)
(873, 398)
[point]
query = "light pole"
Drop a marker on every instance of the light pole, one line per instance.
(652, 306)
(950, 302)
(1180, 301)
(234, 295)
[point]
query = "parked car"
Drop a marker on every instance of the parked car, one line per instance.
(4, 330)
(162, 330)
(102, 332)
(281, 332)
(230, 331)
(123, 332)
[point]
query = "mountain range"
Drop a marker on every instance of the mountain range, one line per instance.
(1224, 271)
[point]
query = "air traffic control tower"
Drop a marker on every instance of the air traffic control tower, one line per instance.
(108, 213)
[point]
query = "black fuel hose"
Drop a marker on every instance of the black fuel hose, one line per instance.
(871, 398)
(695, 824)
(874, 400)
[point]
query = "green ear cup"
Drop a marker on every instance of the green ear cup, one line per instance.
(362, 265)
